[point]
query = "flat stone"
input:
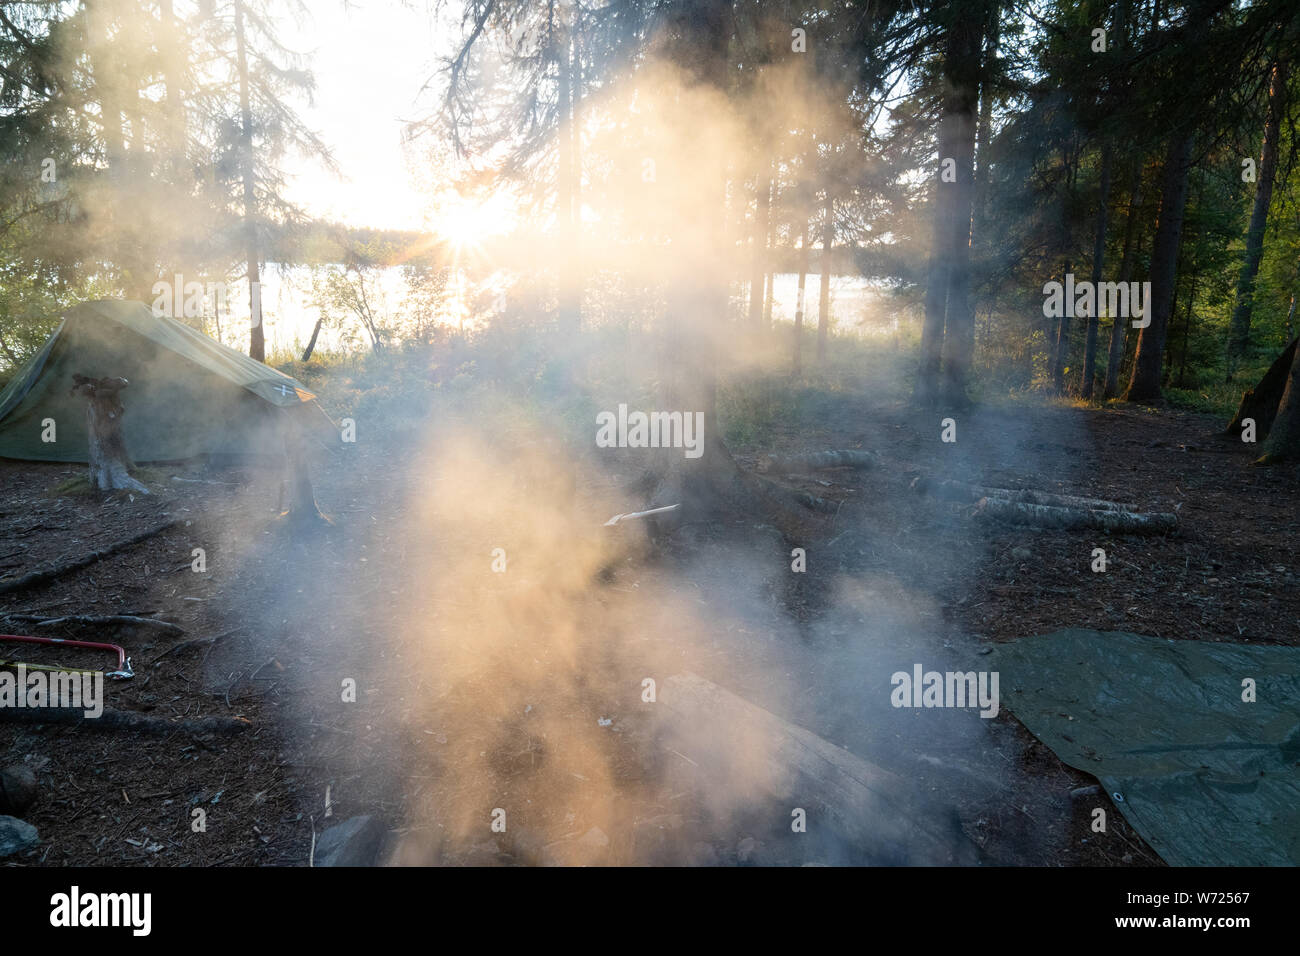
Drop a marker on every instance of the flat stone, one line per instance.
(354, 842)
(16, 835)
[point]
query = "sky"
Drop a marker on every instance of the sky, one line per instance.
(369, 58)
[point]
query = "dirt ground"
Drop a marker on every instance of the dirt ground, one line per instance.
(890, 565)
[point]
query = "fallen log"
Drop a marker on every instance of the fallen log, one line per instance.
(94, 619)
(125, 720)
(951, 490)
(45, 575)
(1101, 519)
(737, 744)
(813, 461)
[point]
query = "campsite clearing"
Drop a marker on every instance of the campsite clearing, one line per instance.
(299, 618)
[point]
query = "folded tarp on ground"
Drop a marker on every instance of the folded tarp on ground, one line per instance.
(1206, 778)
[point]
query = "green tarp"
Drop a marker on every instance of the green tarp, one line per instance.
(1205, 777)
(188, 395)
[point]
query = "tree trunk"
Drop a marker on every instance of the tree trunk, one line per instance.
(1187, 331)
(979, 217)
(110, 468)
(964, 75)
(1119, 323)
(1098, 257)
(1061, 348)
(936, 285)
(1261, 403)
(1239, 330)
(1145, 385)
(797, 355)
(770, 276)
(767, 301)
(824, 303)
(256, 336)
(758, 263)
(1060, 352)
(311, 343)
(176, 135)
(696, 36)
(1283, 442)
(565, 178)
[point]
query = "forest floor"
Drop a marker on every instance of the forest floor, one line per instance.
(476, 691)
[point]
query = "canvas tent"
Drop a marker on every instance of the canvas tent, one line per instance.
(188, 395)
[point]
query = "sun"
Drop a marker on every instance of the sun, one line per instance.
(468, 223)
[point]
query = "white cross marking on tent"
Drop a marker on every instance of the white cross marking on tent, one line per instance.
(283, 389)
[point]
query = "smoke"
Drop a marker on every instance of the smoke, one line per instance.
(507, 651)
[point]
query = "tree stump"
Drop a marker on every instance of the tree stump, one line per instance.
(302, 509)
(110, 468)
(1262, 402)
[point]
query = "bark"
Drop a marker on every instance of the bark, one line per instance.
(1060, 351)
(1119, 324)
(937, 272)
(566, 200)
(797, 360)
(979, 217)
(1145, 384)
(1239, 330)
(695, 37)
(1098, 257)
(175, 106)
(758, 265)
(311, 343)
(1187, 330)
(256, 335)
(824, 302)
(965, 74)
(1283, 442)
(770, 276)
(961, 491)
(1261, 402)
(767, 301)
(1052, 516)
(110, 468)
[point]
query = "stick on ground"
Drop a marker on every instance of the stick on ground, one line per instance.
(39, 621)
(125, 720)
(43, 576)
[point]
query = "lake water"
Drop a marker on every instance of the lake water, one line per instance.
(858, 307)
